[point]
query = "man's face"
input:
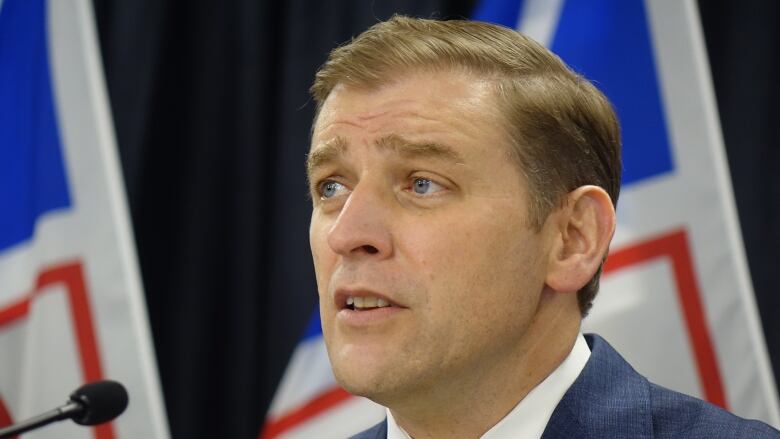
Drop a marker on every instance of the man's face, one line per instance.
(419, 205)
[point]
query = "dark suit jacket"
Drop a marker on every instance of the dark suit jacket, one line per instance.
(611, 400)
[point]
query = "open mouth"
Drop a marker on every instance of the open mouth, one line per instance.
(366, 303)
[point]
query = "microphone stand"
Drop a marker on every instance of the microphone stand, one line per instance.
(66, 411)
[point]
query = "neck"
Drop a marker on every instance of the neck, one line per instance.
(470, 404)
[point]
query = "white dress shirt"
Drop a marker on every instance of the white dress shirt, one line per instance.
(530, 416)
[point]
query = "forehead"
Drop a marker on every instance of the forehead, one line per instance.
(447, 105)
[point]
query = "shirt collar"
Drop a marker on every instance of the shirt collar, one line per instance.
(530, 416)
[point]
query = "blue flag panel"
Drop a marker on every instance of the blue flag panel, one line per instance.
(314, 327)
(608, 41)
(504, 12)
(32, 176)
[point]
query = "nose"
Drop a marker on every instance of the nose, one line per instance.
(362, 227)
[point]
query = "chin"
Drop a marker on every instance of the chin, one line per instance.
(365, 368)
(367, 381)
(357, 383)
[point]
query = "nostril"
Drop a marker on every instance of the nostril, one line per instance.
(370, 249)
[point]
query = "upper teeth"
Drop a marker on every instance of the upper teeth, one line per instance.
(367, 302)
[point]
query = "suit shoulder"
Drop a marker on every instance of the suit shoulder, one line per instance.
(677, 415)
(379, 431)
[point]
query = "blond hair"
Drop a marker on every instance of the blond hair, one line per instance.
(563, 130)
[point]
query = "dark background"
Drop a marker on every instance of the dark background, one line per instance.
(212, 117)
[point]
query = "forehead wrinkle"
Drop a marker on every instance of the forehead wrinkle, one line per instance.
(404, 147)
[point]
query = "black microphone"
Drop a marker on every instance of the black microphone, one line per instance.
(90, 404)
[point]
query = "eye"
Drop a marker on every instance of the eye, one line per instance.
(424, 186)
(330, 188)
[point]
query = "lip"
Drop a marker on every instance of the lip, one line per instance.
(368, 317)
(341, 295)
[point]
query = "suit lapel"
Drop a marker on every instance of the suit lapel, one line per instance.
(608, 399)
(379, 431)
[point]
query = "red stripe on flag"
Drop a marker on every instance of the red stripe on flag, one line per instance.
(15, 311)
(675, 247)
(5, 417)
(312, 408)
(71, 276)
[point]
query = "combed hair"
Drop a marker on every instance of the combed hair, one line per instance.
(563, 130)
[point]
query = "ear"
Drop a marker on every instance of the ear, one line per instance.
(583, 230)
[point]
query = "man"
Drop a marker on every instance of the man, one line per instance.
(464, 182)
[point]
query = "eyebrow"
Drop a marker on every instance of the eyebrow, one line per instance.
(326, 153)
(332, 150)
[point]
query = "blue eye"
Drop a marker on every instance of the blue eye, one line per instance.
(423, 186)
(329, 189)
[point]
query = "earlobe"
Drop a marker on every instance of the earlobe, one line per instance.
(584, 228)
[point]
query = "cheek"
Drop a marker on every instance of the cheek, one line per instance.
(476, 241)
(479, 263)
(322, 256)
(433, 250)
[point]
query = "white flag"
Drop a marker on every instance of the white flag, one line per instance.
(71, 304)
